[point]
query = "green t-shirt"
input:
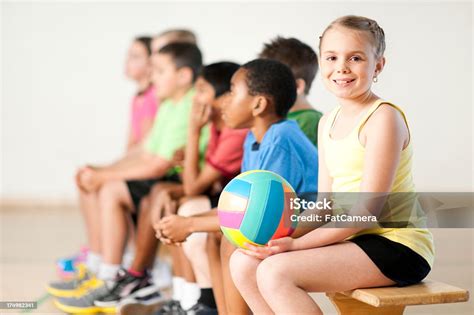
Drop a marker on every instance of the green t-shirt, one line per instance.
(308, 120)
(170, 129)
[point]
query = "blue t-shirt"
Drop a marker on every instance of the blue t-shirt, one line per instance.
(286, 151)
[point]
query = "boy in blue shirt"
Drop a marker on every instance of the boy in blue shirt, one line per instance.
(262, 92)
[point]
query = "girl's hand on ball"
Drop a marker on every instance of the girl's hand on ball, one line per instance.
(274, 247)
(281, 245)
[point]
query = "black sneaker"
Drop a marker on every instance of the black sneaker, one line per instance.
(201, 309)
(126, 286)
(171, 308)
(142, 304)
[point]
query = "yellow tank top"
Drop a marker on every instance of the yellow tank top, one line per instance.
(345, 161)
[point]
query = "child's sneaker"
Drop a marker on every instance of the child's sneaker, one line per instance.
(83, 282)
(85, 303)
(67, 267)
(172, 307)
(129, 287)
(201, 309)
(142, 304)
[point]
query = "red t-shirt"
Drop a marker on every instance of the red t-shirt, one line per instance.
(225, 150)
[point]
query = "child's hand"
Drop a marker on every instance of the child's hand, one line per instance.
(167, 241)
(273, 247)
(178, 157)
(175, 228)
(200, 115)
(159, 235)
(89, 179)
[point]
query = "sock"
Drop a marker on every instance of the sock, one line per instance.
(207, 298)
(161, 274)
(190, 296)
(128, 256)
(93, 262)
(107, 271)
(178, 284)
(137, 274)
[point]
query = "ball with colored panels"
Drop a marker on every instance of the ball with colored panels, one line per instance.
(254, 208)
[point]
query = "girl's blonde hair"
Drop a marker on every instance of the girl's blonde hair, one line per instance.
(363, 24)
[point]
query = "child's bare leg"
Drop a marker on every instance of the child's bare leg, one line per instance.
(234, 301)
(213, 245)
(132, 234)
(115, 204)
(195, 246)
(195, 253)
(186, 267)
(285, 279)
(183, 277)
(89, 205)
(146, 243)
(177, 268)
(244, 273)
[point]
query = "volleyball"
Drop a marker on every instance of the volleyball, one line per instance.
(254, 208)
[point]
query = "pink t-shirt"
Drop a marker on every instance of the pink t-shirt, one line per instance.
(144, 107)
(225, 150)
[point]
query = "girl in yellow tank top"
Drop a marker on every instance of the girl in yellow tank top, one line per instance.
(364, 146)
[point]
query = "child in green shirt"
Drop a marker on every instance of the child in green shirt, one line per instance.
(303, 62)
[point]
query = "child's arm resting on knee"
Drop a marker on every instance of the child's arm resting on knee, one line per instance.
(141, 166)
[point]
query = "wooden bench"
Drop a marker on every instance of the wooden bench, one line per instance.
(393, 300)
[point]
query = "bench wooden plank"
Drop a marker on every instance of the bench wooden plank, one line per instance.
(348, 306)
(427, 292)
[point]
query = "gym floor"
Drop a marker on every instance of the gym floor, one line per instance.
(31, 238)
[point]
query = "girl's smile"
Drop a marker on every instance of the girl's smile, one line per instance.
(344, 82)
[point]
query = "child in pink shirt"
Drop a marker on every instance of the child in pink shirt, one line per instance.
(143, 110)
(144, 103)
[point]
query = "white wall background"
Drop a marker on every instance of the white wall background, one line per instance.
(65, 100)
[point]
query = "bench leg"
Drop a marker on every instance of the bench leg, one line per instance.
(349, 306)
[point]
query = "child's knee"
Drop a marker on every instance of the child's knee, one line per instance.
(112, 194)
(226, 249)
(157, 189)
(108, 192)
(270, 274)
(242, 267)
(194, 206)
(195, 245)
